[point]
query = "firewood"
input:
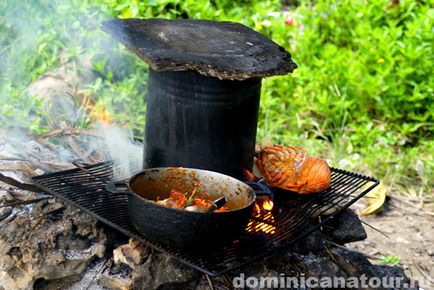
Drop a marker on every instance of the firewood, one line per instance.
(20, 185)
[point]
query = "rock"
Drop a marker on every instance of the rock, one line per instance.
(164, 273)
(354, 264)
(131, 254)
(68, 78)
(5, 212)
(218, 282)
(345, 228)
(317, 266)
(55, 284)
(312, 243)
(282, 263)
(267, 279)
(115, 282)
(35, 246)
(57, 86)
(392, 274)
(50, 86)
(258, 275)
(99, 276)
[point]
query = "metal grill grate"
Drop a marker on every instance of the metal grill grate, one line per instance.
(291, 218)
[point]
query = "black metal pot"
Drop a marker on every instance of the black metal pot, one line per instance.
(201, 122)
(180, 228)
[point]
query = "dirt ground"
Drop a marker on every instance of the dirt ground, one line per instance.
(408, 233)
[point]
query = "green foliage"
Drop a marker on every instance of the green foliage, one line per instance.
(362, 96)
(390, 260)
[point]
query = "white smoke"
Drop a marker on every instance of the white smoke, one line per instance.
(57, 89)
(120, 147)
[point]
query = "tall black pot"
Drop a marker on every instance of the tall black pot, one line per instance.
(201, 122)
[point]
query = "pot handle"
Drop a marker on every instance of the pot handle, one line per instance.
(259, 188)
(118, 187)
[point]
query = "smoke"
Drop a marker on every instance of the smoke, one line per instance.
(54, 59)
(120, 147)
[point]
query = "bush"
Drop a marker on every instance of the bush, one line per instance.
(362, 95)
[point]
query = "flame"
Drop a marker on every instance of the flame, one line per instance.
(97, 111)
(101, 114)
(263, 205)
(267, 205)
(264, 212)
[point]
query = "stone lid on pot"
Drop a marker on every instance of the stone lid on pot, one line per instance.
(225, 50)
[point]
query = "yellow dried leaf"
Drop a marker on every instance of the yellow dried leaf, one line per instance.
(375, 200)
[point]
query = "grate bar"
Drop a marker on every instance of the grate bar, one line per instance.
(292, 217)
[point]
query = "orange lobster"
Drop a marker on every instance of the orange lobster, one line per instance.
(291, 168)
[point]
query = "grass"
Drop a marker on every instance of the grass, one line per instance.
(362, 96)
(390, 260)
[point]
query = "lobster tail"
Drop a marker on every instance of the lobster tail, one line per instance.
(290, 168)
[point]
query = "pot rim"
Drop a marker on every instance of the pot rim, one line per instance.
(232, 179)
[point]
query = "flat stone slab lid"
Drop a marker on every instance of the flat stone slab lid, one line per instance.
(225, 50)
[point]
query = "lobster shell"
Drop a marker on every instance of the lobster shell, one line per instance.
(291, 168)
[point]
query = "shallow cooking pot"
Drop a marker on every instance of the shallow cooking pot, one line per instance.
(180, 228)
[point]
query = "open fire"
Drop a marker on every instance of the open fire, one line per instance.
(263, 208)
(186, 126)
(200, 115)
(267, 205)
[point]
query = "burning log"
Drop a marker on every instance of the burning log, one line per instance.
(16, 183)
